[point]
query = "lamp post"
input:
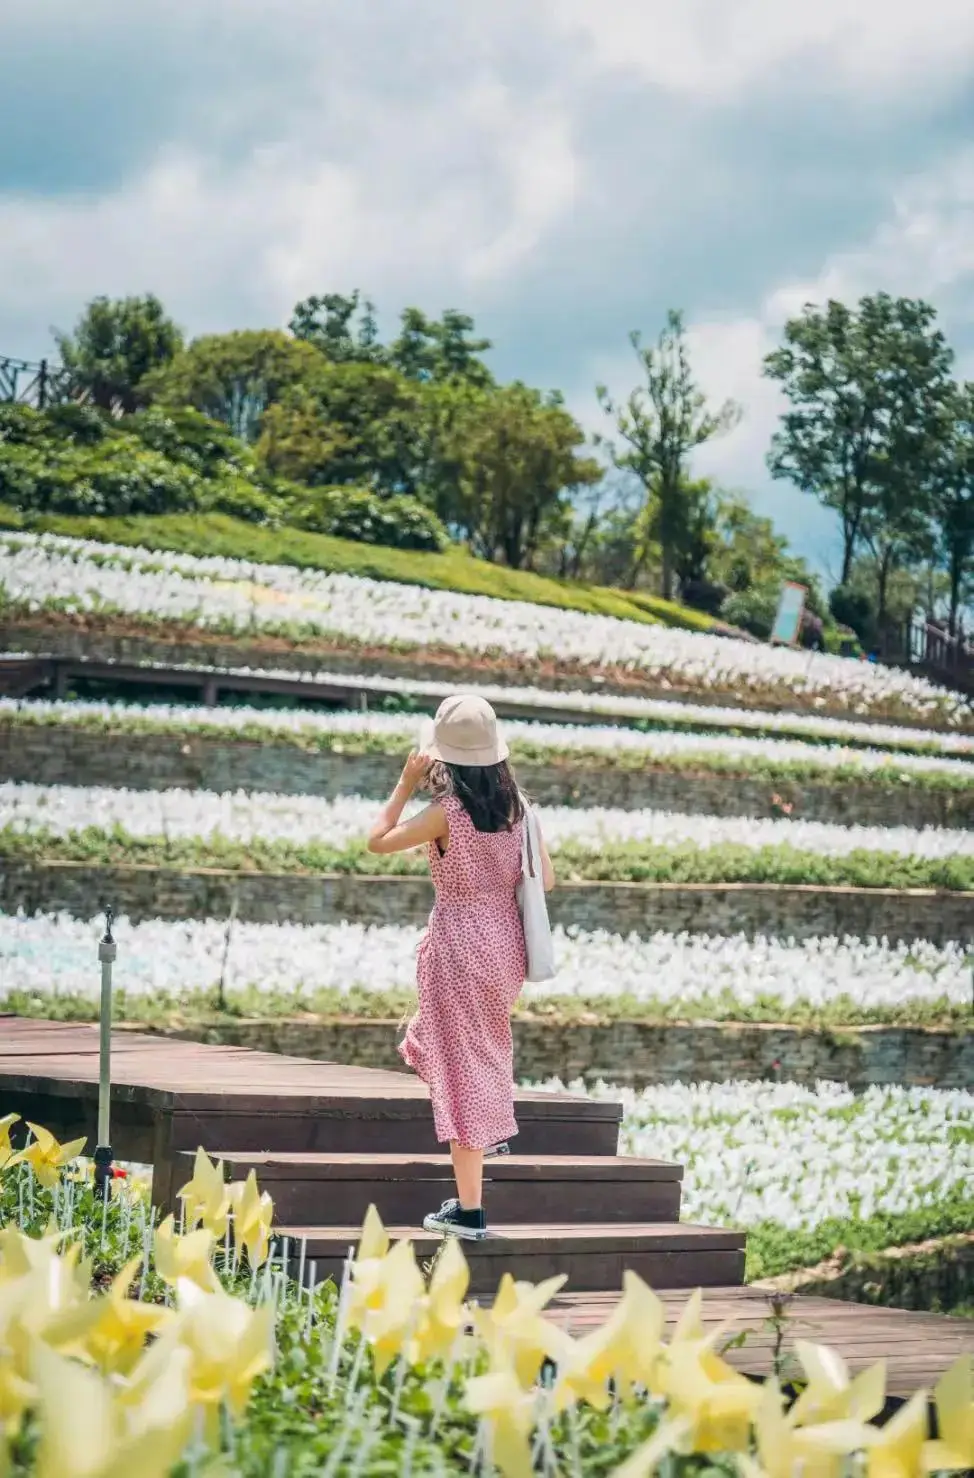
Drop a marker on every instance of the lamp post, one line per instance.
(107, 951)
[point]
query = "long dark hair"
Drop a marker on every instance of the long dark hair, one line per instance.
(488, 793)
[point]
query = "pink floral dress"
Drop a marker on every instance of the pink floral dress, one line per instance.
(471, 967)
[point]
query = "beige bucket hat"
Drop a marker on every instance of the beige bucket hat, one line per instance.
(464, 732)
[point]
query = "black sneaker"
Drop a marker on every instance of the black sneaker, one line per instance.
(497, 1149)
(452, 1221)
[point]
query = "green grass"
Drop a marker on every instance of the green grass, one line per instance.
(218, 534)
(773, 1249)
(635, 862)
(197, 1009)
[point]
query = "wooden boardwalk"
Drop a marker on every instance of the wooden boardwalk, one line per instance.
(917, 1348)
(327, 1140)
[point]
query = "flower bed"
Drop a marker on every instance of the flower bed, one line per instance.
(776, 760)
(195, 1352)
(48, 963)
(777, 1155)
(642, 715)
(45, 572)
(597, 834)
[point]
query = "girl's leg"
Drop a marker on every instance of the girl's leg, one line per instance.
(468, 1167)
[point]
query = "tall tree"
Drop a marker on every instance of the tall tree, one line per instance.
(115, 345)
(513, 459)
(953, 503)
(343, 328)
(437, 349)
(865, 389)
(234, 377)
(660, 425)
(349, 423)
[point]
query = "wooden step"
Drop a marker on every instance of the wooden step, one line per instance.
(593, 1256)
(321, 1189)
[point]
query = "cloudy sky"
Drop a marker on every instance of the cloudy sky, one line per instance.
(565, 170)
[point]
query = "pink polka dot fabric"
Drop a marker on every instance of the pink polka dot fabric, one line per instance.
(471, 967)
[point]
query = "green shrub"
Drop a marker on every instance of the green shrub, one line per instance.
(187, 436)
(754, 610)
(399, 522)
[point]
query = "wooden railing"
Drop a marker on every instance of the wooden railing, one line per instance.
(41, 385)
(926, 648)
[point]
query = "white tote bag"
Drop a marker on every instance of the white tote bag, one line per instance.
(533, 903)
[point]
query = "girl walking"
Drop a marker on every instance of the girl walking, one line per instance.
(471, 963)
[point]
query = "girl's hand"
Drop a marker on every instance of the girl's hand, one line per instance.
(415, 771)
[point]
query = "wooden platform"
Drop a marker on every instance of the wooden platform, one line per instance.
(328, 1140)
(917, 1348)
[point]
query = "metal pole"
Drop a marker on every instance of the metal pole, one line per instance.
(103, 1151)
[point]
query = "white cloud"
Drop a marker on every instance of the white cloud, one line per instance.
(714, 49)
(458, 190)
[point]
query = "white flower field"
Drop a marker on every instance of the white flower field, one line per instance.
(50, 955)
(246, 816)
(41, 571)
(799, 1156)
(655, 747)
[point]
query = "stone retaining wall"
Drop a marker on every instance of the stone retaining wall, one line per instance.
(634, 1054)
(800, 912)
(66, 755)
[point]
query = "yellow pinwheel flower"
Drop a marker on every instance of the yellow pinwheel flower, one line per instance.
(830, 1394)
(253, 1219)
(395, 1308)
(500, 1398)
(230, 1345)
(626, 1348)
(718, 1402)
(6, 1149)
(443, 1309)
(815, 1452)
(954, 1395)
(895, 1448)
(514, 1330)
(205, 1197)
(46, 1156)
(86, 1434)
(179, 1258)
(112, 1330)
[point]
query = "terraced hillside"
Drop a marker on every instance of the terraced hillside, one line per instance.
(766, 862)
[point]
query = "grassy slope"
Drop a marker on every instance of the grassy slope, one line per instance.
(216, 534)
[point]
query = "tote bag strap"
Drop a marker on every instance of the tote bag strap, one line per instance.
(528, 848)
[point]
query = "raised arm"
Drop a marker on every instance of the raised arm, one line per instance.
(390, 833)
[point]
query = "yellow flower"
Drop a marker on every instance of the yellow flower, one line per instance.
(85, 1434)
(509, 1410)
(444, 1312)
(6, 1149)
(230, 1346)
(205, 1196)
(830, 1395)
(895, 1448)
(718, 1403)
(514, 1330)
(46, 1155)
(253, 1218)
(178, 1258)
(954, 1393)
(391, 1320)
(815, 1452)
(112, 1330)
(626, 1348)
